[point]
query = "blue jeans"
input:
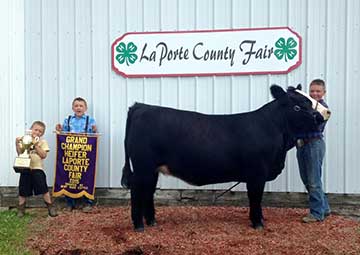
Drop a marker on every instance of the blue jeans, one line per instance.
(71, 202)
(310, 157)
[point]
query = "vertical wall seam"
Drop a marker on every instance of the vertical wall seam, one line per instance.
(161, 79)
(161, 178)
(92, 55)
(306, 51)
(268, 184)
(109, 181)
(196, 77)
(41, 82)
(232, 76)
(58, 58)
(346, 80)
(75, 52)
(143, 29)
(306, 42)
(24, 65)
(326, 161)
(250, 76)
(109, 93)
(10, 25)
(288, 168)
(25, 59)
(126, 79)
(178, 80)
(213, 77)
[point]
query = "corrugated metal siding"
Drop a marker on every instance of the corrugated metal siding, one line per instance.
(12, 96)
(67, 54)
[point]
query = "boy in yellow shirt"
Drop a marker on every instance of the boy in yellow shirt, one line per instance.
(34, 181)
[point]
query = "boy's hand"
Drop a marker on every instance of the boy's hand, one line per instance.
(36, 139)
(18, 139)
(94, 128)
(58, 127)
(19, 148)
(39, 151)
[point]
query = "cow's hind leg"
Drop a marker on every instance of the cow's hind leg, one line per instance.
(137, 206)
(143, 185)
(149, 207)
(255, 192)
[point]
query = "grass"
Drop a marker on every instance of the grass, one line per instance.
(13, 233)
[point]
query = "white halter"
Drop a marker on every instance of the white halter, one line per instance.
(325, 112)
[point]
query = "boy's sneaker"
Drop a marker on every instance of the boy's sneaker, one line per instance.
(68, 208)
(51, 210)
(310, 219)
(20, 214)
(21, 210)
(151, 223)
(87, 208)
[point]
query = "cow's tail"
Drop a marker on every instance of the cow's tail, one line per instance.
(126, 171)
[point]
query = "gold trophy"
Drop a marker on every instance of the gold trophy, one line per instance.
(22, 162)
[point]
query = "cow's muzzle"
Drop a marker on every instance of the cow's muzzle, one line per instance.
(325, 113)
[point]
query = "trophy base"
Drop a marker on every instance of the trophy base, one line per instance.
(22, 165)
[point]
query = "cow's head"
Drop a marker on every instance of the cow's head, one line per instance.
(302, 112)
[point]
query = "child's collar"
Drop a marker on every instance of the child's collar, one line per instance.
(81, 117)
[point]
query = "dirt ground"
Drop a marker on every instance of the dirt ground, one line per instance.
(193, 230)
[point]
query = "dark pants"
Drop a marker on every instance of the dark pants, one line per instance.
(71, 202)
(33, 183)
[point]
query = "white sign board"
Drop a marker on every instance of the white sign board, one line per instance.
(204, 53)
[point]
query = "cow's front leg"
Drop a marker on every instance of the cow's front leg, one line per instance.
(255, 192)
(149, 210)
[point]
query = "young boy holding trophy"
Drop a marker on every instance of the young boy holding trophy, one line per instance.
(79, 122)
(32, 177)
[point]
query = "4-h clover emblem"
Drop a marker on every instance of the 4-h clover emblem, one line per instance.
(285, 49)
(126, 53)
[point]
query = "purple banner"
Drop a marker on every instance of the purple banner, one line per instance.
(75, 168)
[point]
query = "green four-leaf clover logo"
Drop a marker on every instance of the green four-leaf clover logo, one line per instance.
(285, 49)
(126, 53)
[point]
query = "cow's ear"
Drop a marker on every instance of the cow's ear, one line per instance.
(277, 91)
(298, 87)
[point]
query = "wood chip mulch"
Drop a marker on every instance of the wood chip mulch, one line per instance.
(194, 230)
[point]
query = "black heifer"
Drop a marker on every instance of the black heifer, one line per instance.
(206, 149)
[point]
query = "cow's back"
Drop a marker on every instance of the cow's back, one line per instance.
(199, 148)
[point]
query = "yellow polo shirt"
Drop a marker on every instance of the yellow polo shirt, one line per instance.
(36, 162)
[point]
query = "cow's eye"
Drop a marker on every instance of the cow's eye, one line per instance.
(297, 108)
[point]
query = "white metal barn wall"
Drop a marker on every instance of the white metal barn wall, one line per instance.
(12, 84)
(67, 54)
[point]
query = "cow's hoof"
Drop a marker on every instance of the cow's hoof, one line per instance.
(151, 223)
(125, 183)
(259, 227)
